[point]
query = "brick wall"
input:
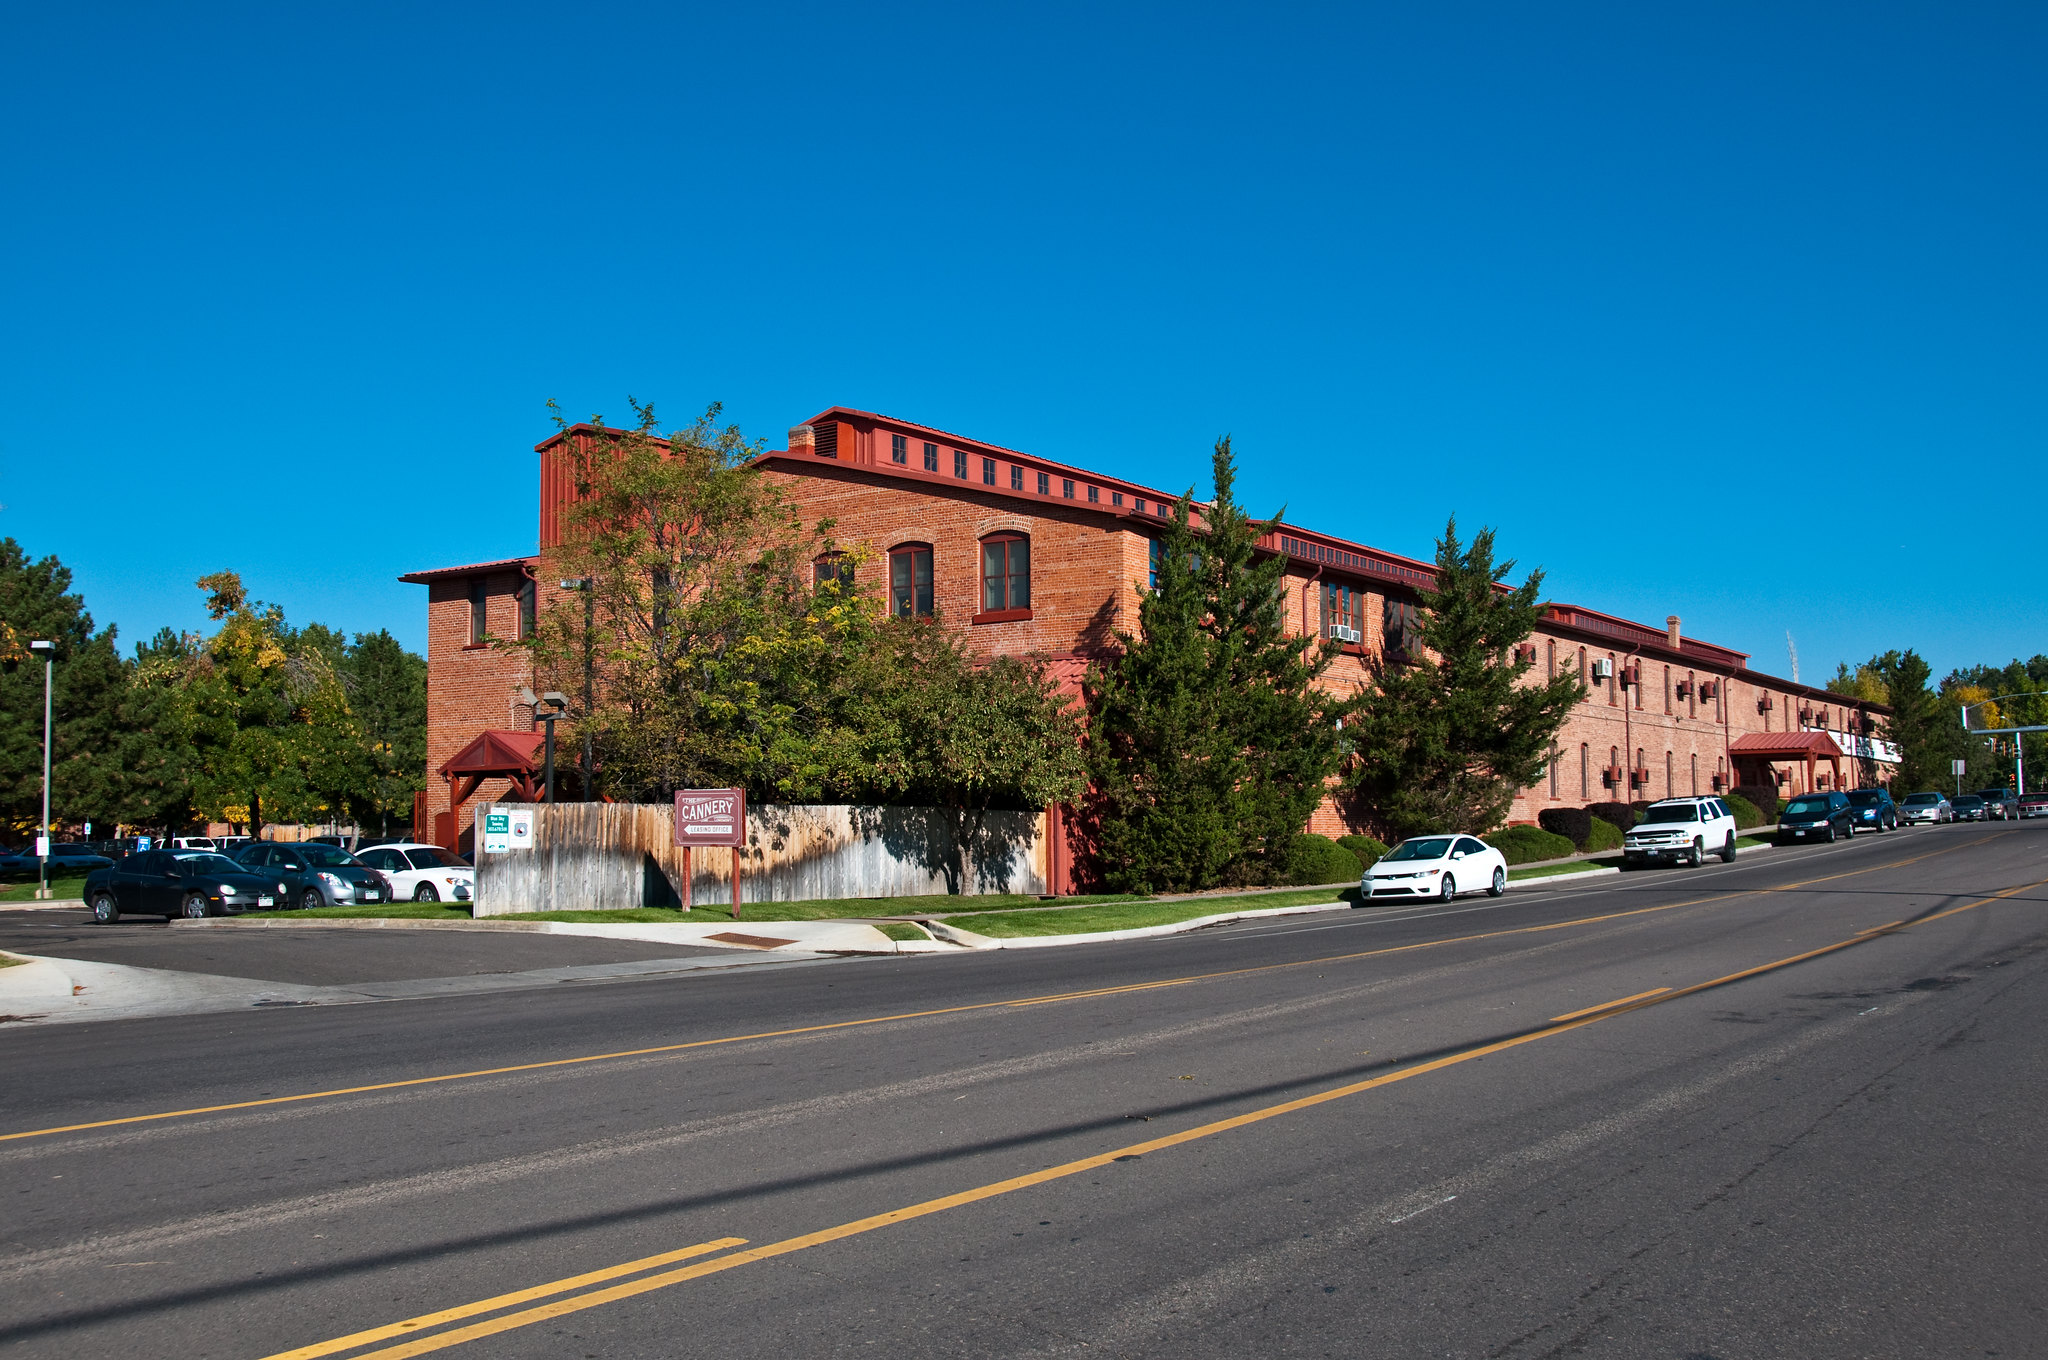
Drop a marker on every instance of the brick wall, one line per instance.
(471, 688)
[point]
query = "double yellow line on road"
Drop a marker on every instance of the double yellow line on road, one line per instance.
(422, 1345)
(1007, 1004)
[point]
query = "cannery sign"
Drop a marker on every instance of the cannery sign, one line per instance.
(711, 816)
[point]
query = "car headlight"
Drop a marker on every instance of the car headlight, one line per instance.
(224, 889)
(333, 881)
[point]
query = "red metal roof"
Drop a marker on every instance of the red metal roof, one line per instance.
(420, 578)
(497, 752)
(1800, 744)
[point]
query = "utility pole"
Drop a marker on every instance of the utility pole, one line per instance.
(49, 651)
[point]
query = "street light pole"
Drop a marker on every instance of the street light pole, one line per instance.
(49, 651)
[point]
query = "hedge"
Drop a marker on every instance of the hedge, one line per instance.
(1574, 824)
(1525, 844)
(1621, 816)
(1368, 850)
(1763, 800)
(1317, 860)
(1606, 836)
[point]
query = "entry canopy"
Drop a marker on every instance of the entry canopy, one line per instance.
(1799, 745)
(496, 754)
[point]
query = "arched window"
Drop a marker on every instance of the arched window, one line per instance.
(910, 580)
(1550, 659)
(1585, 773)
(832, 568)
(1667, 689)
(1005, 574)
(1669, 792)
(1553, 771)
(1695, 774)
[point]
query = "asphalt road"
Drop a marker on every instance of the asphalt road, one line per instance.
(1813, 1127)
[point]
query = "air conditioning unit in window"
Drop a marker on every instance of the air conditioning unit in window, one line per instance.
(1709, 689)
(1603, 669)
(1525, 651)
(1343, 633)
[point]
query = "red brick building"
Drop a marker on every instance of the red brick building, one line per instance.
(1026, 555)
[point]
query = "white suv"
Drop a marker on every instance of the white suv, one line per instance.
(1687, 829)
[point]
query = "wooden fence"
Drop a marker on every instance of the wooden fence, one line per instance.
(601, 855)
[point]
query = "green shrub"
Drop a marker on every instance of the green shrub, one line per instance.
(1640, 805)
(1574, 824)
(1318, 859)
(1525, 844)
(1746, 813)
(1763, 797)
(1368, 850)
(1621, 816)
(1606, 836)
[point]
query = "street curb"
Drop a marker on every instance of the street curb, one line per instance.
(970, 940)
(36, 980)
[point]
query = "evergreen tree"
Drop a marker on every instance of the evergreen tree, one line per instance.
(1443, 743)
(1210, 741)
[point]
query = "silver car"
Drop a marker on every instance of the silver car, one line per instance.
(1924, 807)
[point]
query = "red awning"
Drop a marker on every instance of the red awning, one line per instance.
(1794, 745)
(496, 753)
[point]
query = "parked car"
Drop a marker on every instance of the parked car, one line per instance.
(2000, 804)
(1681, 829)
(1925, 807)
(1436, 866)
(1968, 807)
(2034, 805)
(311, 875)
(424, 873)
(168, 883)
(1816, 817)
(65, 857)
(194, 843)
(1875, 810)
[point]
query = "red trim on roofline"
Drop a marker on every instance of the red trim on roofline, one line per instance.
(420, 578)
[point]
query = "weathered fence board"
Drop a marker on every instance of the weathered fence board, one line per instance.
(602, 855)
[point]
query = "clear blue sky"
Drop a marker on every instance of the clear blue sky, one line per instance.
(1682, 300)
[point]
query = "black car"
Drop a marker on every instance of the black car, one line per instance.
(167, 883)
(65, 857)
(1816, 817)
(308, 874)
(1875, 810)
(1969, 808)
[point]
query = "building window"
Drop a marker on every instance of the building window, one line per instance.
(931, 458)
(988, 472)
(1585, 774)
(1667, 694)
(526, 607)
(1155, 554)
(1553, 772)
(1695, 774)
(910, 581)
(1067, 487)
(1159, 509)
(1016, 478)
(1005, 573)
(1044, 484)
(1094, 494)
(1397, 629)
(960, 464)
(479, 619)
(1138, 504)
(1116, 498)
(1343, 607)
(1669, 791)
(1550, 659)
(899, 449)
(832, 569)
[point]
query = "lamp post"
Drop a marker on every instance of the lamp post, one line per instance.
(558, 703)
(49, 651)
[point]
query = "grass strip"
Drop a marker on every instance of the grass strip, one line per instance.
(901, 930)
(1552, 870)
(1133, 915)
(823, 909)
(69, 886)
(395, 911)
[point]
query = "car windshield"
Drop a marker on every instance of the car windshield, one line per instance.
(434, 858)
(1807, 807)
(1426, 847)
(1968, 800)
(1672, 812)
(206, 862)
(1865, 797)
(1922, 799)
(327, 856)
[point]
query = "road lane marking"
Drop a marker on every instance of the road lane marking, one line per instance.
(1723, 898)
(1607, 1005)
(492, 1305)
(648, 1284)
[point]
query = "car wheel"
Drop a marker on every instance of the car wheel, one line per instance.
(1499, 884)
(1446, 888)
(1696, 854)
(104, 909)
(1831, 833)
(425, 893)
(1728, 850)
(195, 907)
(309, 899)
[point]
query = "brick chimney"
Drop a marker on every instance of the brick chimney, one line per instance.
(1671, 631)
(803, 439)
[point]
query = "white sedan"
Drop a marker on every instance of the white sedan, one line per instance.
(1436, 866)
(424, 873)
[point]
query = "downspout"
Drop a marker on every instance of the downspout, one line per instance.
(1628, 742)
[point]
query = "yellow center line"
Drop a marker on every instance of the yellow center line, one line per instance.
(492, 1305)
(1722, 899)
(769, 1251)
(1607, 1005)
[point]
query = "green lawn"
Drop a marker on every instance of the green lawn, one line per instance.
(823, 909)
(69, 886)
(1132, 914)
(1552, 870)
(395, 911)
(901, 930)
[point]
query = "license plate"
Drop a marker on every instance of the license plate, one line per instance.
(371, 897)
(266, 901)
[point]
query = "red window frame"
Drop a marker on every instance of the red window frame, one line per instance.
(1005, 573)
(909, 597)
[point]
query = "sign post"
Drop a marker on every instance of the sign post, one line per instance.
(712, 817)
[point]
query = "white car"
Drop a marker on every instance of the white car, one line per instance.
(1681, 829)
(1436, 866)
(424, 873)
